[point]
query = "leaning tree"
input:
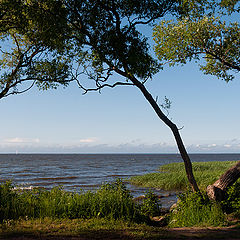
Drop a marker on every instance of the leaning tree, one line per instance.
(216, 41)
(105, 39)
(97, 38)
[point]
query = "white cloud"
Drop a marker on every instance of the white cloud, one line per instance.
(21, 140)
(215, 148)
(212, 145)
(227, 145)
(93, 145)
(88, 140)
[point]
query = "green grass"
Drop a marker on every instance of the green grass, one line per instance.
(111, 200)
(195, 210)
(84, 228)
(95, 228)
(110, 213)
(173, 176)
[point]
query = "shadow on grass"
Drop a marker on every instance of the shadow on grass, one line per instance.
(85, 235)
(232, 232)
(132, 233)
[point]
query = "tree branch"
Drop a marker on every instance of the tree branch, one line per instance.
(98, 88)
(228, 64)
(23, 91)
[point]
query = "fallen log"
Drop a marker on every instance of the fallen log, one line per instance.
(217, 190)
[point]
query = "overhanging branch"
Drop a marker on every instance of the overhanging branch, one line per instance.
(98, 88)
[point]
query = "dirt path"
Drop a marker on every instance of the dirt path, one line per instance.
(229, 233)
(206, 233)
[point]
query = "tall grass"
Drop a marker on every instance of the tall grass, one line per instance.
(173, 176)
(111, 201)
(194, 210)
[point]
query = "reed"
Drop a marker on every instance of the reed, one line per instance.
(173, 176)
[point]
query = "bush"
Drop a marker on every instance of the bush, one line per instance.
(150, 205)
(9, 202)
(232, 199)
(194, 210)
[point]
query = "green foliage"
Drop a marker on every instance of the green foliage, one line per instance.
(12, 15)
(150, 205)
(230, 5)
(32, 46)
(50, 40)
(195, 210)
(173, 176)
(232, 199)
(109, 32)
(9, 203)
(112, 201)
(54, 42)
(188, 39)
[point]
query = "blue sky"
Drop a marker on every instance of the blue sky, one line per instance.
(121, 121)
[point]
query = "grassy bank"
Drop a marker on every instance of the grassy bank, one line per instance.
(111, 200)
(94, 228)
(111, 212)
(195, 210)
(173, 176)
(82, 229)
(108, 213)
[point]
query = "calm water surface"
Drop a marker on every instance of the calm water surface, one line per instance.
(88, 171)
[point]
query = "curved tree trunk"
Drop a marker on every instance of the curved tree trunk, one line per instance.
(217, 190)
(175, 131)
(167, 121)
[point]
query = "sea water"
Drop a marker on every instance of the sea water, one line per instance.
(89, 171)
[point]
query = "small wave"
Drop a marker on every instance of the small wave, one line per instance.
(44, 184)
(64, 167)
(21, 171)
(24, 188)
(24, 175)
(119, 175)
(24, 172)
(86, 185)
(53, 178)
(91, 176)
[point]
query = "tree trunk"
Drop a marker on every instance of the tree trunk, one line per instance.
(217, 190)
(168, 122)
(175, 131)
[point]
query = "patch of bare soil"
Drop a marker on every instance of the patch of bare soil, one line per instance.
(210, 233)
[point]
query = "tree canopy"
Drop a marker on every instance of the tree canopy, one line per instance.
(31, 51)
(213, 36)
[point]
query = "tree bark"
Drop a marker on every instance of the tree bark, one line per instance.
(168, 122)
(175, 131)
(217, 190)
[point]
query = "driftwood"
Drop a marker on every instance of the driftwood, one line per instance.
(217, 190)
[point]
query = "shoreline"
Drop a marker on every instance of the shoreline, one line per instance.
(172, 176)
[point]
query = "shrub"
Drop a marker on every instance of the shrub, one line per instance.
(150, 205)
(194, 210)
(232, 199)
(9, 202)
